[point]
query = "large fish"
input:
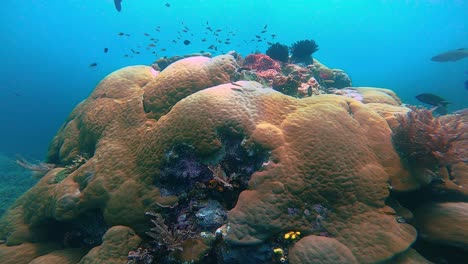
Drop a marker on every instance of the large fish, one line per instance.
(452, 55)
(434, 100)
(118, 5)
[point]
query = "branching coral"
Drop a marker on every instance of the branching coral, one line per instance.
(427, 142)
(278, 52)
(163, 235)
(301, 51)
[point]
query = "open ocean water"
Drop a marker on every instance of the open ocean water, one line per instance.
(54, 52)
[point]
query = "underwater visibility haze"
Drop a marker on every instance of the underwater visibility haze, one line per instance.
(144, 131)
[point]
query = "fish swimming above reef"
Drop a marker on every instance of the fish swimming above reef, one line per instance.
(434, 100)
(118, 5)
(452, 55)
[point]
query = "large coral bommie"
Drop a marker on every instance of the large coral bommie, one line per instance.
(426, 142)
(301, 51)
(278, 52)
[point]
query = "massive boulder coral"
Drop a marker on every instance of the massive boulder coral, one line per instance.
(236, 160)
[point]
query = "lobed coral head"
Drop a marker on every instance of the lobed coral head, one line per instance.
(301, 51)
(278, 52)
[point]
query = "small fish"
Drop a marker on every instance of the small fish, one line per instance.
(265, 27)
(168, 5)
(106, 50)
(227, 42)
(466, 85)
(92, 65)
(273, 35)
(186, 42)
(118, 5)
(452, 55)
(133, 51)
(257, 36)
(128, 35)
(203, 40)
(434, 100)
(163, 49)
(146, 34)
(121, 34)
(219, 30)
(126, 55)
(263, 31)
(151, 45)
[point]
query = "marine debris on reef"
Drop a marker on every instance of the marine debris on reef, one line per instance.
(230, 159)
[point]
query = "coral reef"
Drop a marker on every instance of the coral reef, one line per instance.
(301, 51)
(278, 52)
(196, 165)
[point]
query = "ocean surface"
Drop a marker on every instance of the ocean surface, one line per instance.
(48, 46)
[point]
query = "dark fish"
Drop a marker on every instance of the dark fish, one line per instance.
(434, 100)
(128, 35)
(452, 55)
(257, 36)
(263, 31)
(186, 42)
(218, 30)
(106, 50)
(121, 34)
(466, 85)
(146, 34)
(203, 40)
(163, 49)
(133, 51)
(92, 65)
(265, 27)
(118, 5)
(273, 35)
(168, 5)
(227, 42)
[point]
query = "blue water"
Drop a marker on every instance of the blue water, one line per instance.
(47, 46)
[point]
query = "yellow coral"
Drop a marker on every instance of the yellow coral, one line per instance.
(278, 251)
(292, 235)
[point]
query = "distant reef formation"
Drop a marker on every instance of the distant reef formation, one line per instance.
(226, 159)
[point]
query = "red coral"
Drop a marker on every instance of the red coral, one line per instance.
(261, 62)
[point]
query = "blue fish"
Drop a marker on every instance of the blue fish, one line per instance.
(466, 85)
(118, 5)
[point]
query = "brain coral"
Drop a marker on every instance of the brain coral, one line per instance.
(329, 159)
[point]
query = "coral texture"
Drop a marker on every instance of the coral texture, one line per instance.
(228, 169)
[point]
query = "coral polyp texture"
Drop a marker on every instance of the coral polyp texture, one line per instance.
(192, 164)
